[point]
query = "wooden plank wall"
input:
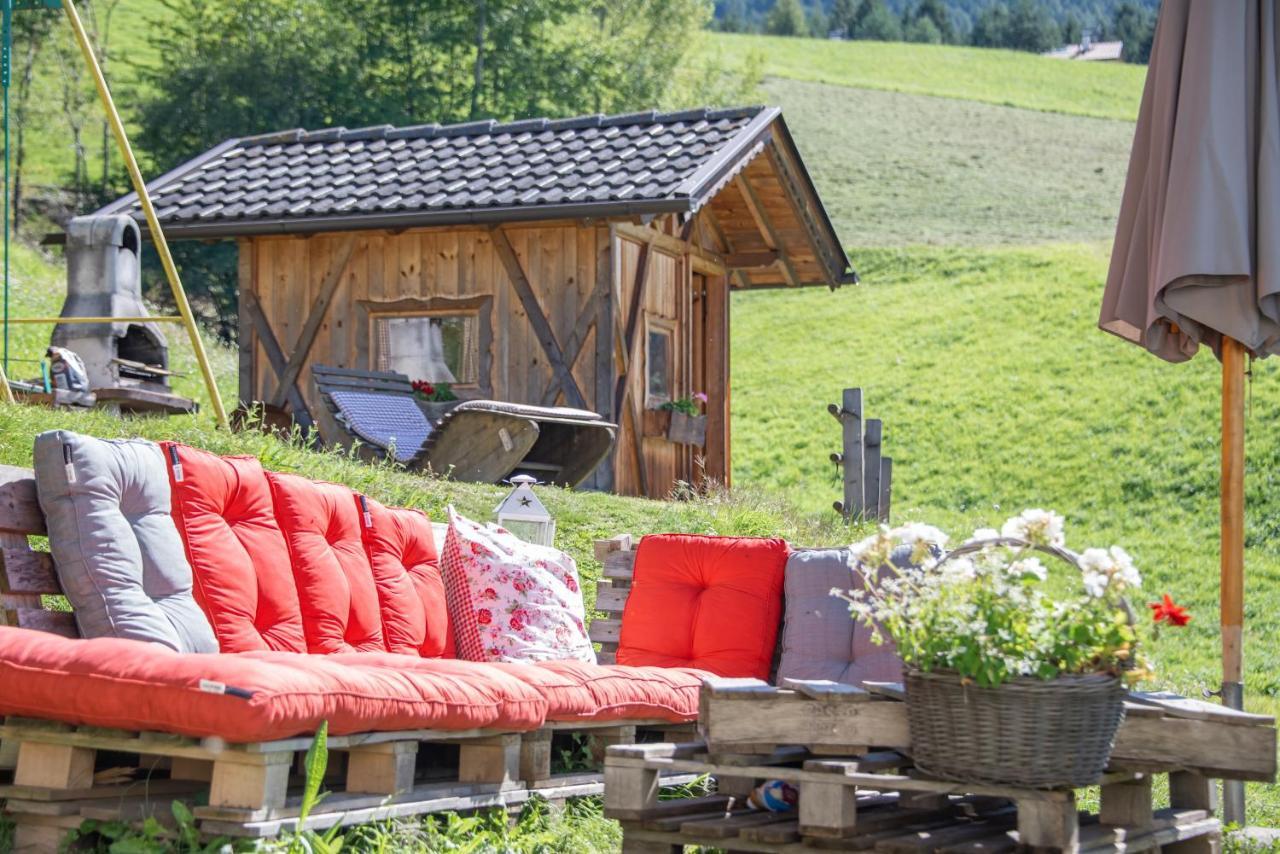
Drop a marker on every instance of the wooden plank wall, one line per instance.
(575, 275)
(561, 264)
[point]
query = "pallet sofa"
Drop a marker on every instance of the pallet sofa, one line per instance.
(302, 584)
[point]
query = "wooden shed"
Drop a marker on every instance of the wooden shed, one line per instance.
(584, 262)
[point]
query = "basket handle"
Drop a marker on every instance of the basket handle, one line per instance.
(1060, 552)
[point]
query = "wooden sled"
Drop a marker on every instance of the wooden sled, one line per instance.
(477, 441)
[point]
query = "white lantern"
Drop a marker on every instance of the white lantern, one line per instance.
(524, 515)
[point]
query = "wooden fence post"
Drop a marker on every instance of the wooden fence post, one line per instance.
(867, 475)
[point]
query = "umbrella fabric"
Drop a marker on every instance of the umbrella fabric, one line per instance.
(1197, 249)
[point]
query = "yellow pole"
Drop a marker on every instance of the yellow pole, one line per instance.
(153, 223)
(7, 393)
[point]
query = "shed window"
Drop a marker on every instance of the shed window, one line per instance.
(438, 348)
(659, 362)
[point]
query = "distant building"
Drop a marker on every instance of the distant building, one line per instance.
(1090, 50)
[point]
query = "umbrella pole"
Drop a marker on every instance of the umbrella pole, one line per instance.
(1232, 566)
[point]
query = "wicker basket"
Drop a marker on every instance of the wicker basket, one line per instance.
(1032, 733)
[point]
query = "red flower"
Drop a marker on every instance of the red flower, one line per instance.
(571, 584)
(489, 593)
(483, 617)
(516, 624)
(1167, 611)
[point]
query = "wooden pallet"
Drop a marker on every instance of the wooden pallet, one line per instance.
(66, 774)
(876, 801)
(1160, 732)
(847, 749)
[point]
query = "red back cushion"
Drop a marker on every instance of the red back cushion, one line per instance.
(406, 573)
(335, 584)
(707, 602)
(239, 561)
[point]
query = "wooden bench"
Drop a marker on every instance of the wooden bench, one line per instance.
(62, 774)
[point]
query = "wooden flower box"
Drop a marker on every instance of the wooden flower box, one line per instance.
(675, 427)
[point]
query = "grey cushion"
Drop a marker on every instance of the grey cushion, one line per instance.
(384, 420)
(117, 551)
(820, 639)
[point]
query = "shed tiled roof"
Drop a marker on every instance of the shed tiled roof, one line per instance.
(639, 163)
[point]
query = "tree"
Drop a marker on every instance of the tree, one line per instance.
(1072, 29)
(936, 12)
(1031, 28)
(786, 18)
(876, 23)
(991, 29)
(1135, 26)
(844, 17)
(30, 30)
(733, 17)
(922, 30)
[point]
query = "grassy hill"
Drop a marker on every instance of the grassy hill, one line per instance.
(900, 169)
(1003, 77)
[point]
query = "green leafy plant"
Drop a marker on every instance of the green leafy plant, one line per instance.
(686, 405)
(982, 611)
(306, 841)
(576, 757)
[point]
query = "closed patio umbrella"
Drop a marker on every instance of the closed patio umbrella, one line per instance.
(1196, 259)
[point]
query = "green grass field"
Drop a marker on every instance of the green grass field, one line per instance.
(901, 169)
(1003, 77)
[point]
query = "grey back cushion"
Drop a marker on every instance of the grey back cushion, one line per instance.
(820, 639)
(117, 552)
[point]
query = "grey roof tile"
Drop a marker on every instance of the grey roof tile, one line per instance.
(296, 174)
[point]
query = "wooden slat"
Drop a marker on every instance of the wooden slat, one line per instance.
(27, 572)
(262, 329)
(19, 507)
(611, 599)
(54, 622)
(573, 345)
(619, 566)
(328, 287)
(537, 319)
(606, 630)
(604, 548)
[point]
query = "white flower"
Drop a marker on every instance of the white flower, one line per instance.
(957, 570)
(874, 551)
(921, 538)
(1096, 560)
(1028, 566)
(1095, 583)
(1125, 571)
(1042, 527)
(983, 534)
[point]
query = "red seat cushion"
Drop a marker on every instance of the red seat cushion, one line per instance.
(629, 693)
(321, 525)
(239, 560)
(406, 572)
(711, 603)
(134, 685)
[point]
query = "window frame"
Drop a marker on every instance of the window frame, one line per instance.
(370, 312)
(657, 323)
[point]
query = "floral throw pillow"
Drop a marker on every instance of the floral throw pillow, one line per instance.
(510, 600)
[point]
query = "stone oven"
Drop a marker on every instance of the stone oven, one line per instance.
(127, 361)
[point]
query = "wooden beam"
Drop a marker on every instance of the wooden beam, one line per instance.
(743, 260)
(541, 328)
(714, 221)
(328, 287)
(250, 306)
(246, 340)
(19, 508)
(573, 347)
(767, 231)
(674, 245)
(798, 198)
(625, 340)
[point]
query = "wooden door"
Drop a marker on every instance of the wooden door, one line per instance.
(711, 370)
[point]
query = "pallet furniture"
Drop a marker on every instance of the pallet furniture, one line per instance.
(63, 775)
(847, 750)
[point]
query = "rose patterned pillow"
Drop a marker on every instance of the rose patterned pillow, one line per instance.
(510, 600)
